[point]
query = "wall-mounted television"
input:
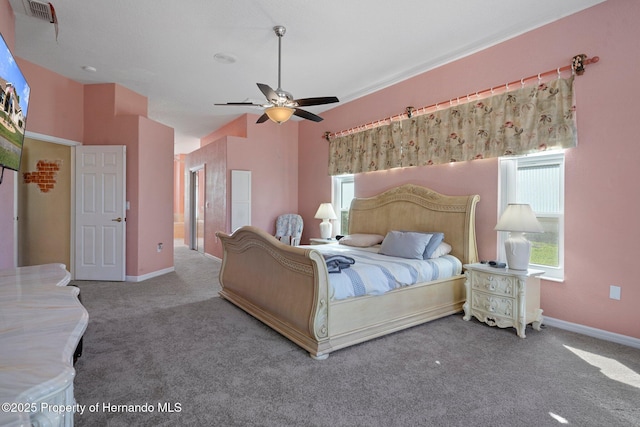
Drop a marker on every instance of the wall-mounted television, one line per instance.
(14, 102)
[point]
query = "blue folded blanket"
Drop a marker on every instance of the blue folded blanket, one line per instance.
(335, 262)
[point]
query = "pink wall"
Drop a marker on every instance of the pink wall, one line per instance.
(237, 127)
(601, 204)
(7, 23)
(155, 196)
(103, 103)
(55, 105)
(269, 151)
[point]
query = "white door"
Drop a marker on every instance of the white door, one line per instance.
(240, 199)
(100, 228)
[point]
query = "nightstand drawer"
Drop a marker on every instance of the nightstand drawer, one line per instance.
(493, 304)
(496, 284)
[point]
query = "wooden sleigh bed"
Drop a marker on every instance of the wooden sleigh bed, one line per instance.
(287, 287)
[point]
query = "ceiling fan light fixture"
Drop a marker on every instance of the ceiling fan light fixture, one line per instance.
(279, 114)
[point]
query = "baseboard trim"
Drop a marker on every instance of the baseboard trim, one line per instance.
(593, 332)
(161, 272)
(149, 275)
(212, 257)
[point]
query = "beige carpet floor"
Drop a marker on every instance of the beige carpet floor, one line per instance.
(171, 345)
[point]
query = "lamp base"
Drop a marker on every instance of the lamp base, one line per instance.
(518, 251)
(325, 229)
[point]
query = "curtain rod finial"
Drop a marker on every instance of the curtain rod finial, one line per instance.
(410, 111)
(577, 63)
(326, 135)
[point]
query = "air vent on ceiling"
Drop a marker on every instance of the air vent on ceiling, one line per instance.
(39, 10)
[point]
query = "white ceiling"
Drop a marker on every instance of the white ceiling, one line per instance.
(164, 49)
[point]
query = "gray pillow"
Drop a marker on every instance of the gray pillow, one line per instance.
(436, 239)
(405, 244)
(434, 242)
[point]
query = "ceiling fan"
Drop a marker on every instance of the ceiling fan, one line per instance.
(280, 104)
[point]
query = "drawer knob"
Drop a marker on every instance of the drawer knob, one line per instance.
(491, 284)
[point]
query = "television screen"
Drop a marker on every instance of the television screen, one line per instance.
(14, 100)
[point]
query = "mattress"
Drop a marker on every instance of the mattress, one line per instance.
(375, 274)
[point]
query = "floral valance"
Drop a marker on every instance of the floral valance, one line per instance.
(516, 122)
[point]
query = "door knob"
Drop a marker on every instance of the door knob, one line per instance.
(117, 219)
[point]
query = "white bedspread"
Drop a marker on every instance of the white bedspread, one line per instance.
(375, 274)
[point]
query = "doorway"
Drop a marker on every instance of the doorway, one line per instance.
(100, 212)
(197, 209)
(43, 200)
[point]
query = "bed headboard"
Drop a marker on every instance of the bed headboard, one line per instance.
(415, 208)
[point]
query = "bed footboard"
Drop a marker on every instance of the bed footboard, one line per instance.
(285, 287)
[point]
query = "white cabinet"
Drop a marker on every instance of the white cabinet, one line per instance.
(503, 297)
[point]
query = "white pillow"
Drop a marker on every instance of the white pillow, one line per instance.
(361, 240)
(442, 249)
(405, 244)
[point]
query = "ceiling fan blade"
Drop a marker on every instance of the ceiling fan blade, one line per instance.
(307, 115)
(263, 118)
(307, 102)
(241, 103)
(271, 94)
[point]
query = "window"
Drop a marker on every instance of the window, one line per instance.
(343, 193)
(539, 181)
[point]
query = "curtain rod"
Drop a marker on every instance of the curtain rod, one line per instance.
(577, 67)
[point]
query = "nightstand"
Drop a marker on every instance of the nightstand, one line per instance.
(321, 241)
(503, 297)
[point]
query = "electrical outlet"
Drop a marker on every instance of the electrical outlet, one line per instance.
(159, 247)
(614, 292)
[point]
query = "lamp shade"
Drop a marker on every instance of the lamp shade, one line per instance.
(519, 217)
(279, 114)
(325, 211)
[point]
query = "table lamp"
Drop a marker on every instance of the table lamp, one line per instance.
(518, 219)
(325, 213)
